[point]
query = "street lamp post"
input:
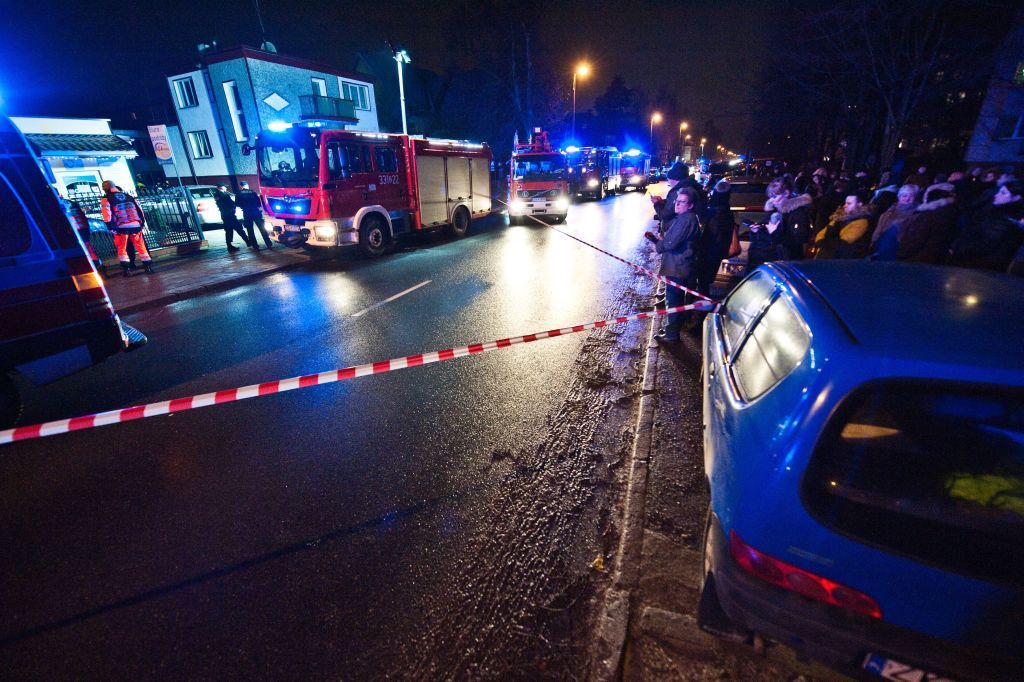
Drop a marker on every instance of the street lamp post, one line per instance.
(682, 126)
(402, 57)
(581, 70)
(655, 118)
(703, 140)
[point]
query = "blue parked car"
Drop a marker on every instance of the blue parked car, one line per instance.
(864, 448)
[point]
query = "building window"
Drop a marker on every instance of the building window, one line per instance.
(319, 87)
(185, 92)
(200, 143)
(359, 94)
(234, 101)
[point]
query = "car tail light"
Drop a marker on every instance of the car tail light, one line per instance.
(794, 579)
(201, 207)
(90, 287)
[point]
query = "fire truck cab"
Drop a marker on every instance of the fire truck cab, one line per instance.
(538, 180)
(594, 171)
(635, 168)
(55, 315)
(326, 188)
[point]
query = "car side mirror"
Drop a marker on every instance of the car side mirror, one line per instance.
(246, 149)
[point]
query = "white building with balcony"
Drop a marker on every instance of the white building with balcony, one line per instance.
(232, 94)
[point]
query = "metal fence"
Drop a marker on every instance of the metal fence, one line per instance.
(169, 221)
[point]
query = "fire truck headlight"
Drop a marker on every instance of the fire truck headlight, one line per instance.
(325, 232)
(592, 182)
(277, 206)
(635, 179)
(516, 206)
(562, 203)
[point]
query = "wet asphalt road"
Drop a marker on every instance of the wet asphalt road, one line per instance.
(433, 522)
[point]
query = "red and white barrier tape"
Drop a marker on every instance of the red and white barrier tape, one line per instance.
(640, 268)
(92, 421)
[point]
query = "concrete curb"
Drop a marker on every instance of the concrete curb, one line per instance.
(613, 625)
(202, 289)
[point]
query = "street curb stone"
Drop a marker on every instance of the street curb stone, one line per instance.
(202, 289)
(610, 639)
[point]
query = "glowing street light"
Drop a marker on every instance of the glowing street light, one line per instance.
(703, 140)
(583, 70)
(655, 118)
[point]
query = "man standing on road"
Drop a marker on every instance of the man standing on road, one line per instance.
(252, 214)
(226, 205)
(124, 217)
(678, 249)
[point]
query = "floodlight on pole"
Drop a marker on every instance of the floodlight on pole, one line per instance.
(583, 70)
(402, 57)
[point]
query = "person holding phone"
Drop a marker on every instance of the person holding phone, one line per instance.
(678, 249)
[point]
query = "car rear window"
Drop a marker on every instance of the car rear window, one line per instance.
(774, 348)
(929, 471)
(202, 193)
(743, 305)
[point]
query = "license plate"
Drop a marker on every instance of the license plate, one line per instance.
(292, 228)
(888, 669)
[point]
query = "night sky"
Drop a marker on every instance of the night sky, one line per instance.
(100, 59)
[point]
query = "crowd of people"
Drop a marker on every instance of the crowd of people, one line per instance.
(973, 219)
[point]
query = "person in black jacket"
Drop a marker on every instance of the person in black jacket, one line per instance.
(994, 235)
(252, 214)
(226, 206)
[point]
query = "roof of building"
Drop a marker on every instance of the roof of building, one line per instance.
(954, 316)
(248, 52)
(47, 144)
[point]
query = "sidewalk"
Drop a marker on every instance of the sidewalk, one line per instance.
(649, 629)
(195, 274)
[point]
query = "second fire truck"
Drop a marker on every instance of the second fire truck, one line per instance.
(538, 180)
(325, 188)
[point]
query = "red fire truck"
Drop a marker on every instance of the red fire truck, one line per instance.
(635, 167)
(325, 188)
(539, 180)
(55, 316)
(594, 171)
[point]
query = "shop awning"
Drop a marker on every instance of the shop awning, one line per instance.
(80, 145)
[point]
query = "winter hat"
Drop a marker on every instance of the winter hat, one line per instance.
(678, 172)
(722, 186)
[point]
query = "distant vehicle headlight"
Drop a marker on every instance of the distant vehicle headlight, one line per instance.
(516, 206)
(593, 182)
(562, 203)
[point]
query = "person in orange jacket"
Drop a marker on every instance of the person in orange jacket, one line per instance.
(124, 217)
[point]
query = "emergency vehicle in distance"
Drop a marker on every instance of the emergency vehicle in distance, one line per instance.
(635, 168)
(594, 171)
(538, 180)
(55, 312)
(325, 188)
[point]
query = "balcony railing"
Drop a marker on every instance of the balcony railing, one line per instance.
(332, 108)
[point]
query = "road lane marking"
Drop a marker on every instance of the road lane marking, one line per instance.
(389, 300)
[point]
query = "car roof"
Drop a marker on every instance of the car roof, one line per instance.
(940, 314)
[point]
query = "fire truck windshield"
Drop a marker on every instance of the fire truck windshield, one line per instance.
(540, 167)
(289, 165)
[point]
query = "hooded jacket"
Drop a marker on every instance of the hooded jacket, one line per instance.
(847, 235)
(796, 222)
(924, 236)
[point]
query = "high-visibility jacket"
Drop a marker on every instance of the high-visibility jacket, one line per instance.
(121, 212)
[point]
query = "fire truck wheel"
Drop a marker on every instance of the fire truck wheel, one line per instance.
(373, 236)
(460, 222)
(10, 402)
